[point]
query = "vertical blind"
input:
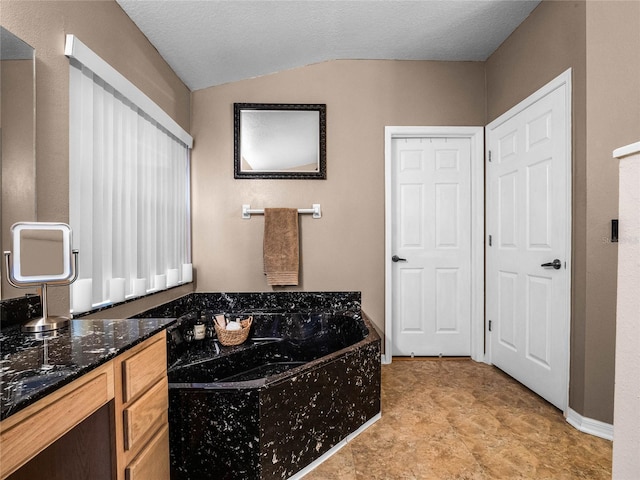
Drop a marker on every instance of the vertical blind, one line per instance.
(129, 196)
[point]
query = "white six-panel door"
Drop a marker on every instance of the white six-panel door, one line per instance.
(431, 236)
(528, 221)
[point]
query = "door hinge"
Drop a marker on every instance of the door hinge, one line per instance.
(490, 325)
(489, 157)
(490, 240)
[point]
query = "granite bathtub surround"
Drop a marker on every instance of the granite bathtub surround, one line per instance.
(308, 376)
(191, 307)
(34, 365)
(258, 302)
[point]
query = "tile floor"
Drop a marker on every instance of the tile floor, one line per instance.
(457, 419)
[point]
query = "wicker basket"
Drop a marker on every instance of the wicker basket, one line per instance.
(234, 337)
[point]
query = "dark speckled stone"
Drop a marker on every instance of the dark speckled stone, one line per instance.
(15, 311)
(268, 408)
(34, 365)
(304, 416)
(215, 436)
(255, 302)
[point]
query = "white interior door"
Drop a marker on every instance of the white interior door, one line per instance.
(431, 244)
(528, 224)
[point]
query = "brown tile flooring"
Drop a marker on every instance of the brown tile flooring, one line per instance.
(458, 419)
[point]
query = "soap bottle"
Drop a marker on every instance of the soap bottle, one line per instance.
(199, 329)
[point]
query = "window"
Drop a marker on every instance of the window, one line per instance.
(128, 187)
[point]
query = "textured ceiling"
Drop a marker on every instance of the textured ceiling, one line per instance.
(211, 42)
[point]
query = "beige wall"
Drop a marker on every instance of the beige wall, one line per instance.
(595, 39)
(344, 250)
(613, 120)
(18, 164)
(103, 27)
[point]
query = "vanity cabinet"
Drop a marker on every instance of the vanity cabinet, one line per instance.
(141, 406)
(31, 430)
(116, 415)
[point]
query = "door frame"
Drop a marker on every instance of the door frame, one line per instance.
(476, 136)
(564, 79)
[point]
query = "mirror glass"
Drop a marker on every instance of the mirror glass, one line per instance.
(41, 252)
(279, 141)
(17, 145)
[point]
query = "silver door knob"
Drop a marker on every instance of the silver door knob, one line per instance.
(557, 264)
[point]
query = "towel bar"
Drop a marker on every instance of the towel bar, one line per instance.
(247, 211)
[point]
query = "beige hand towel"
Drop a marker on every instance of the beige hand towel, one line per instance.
(281, 246)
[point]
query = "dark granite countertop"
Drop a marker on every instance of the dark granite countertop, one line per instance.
(35, 365)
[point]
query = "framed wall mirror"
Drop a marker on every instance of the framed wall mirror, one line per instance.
(280, 141)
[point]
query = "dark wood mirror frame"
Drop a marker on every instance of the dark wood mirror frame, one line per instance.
(317, 170)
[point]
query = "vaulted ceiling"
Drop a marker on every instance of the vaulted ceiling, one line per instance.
(211, 42)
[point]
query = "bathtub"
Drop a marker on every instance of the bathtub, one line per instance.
(266, 409)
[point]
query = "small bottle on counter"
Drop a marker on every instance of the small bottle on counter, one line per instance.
(199, 329)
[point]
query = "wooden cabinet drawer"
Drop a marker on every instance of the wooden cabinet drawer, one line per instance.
(153, 461)
(143, 369)
(145, 413)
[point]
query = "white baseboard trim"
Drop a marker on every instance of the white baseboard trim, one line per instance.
(589, 425)
(335, 449)
(386, 359)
